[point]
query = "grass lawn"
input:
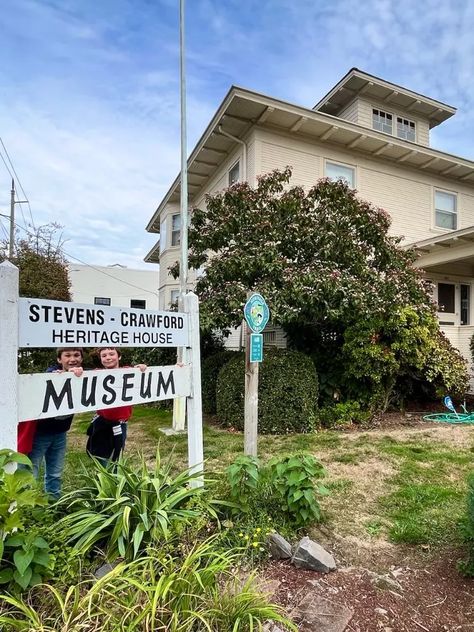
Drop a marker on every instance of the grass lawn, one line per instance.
(403, 485)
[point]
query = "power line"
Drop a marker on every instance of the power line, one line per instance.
(19, 182)
(137, 287)
(7, 236)
(6, 166)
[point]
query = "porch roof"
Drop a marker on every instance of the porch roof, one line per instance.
(457, 245)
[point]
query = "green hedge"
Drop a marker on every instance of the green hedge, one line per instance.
(210, 370)
(287, 393)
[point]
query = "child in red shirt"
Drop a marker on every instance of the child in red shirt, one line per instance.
(108, 430)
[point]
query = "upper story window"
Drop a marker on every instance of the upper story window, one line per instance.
(163, 234)
(406, 129)
(382, 121)
(234, 173)
(175, 229)
(336, 171)
(137, 303)
(101, 300)
(446, 213)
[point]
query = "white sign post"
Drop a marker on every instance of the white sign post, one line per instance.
(8, 354)
(27, 322)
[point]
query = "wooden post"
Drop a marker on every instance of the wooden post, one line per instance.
(194, 401)
(9, 287)
(251, 400)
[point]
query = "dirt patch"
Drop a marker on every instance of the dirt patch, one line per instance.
(409, 426)
(432, 597)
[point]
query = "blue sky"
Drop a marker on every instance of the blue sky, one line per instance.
(89, 91)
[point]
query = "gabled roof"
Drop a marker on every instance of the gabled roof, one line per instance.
(359, 83)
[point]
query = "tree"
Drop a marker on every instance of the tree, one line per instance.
(326, 264)
(43, 274)
(42, 264)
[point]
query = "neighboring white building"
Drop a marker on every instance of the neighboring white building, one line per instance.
(114, 285)
(372, 133)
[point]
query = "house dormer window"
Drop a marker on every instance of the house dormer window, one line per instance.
(382, 121)
(406, 129)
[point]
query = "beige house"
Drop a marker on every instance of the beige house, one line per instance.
(374, 134)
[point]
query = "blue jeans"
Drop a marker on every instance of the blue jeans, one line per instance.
(51, 447)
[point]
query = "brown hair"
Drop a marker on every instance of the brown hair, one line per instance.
(60, 350)
(99, 349)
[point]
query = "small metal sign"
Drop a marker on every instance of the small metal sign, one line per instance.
(256, 347)
(256, 313)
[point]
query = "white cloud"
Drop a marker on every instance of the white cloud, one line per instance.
(89, 104)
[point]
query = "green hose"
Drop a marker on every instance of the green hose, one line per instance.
(451, 418)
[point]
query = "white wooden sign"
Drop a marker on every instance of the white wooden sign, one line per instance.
(45, 323)
(44, 395)
(28, 322)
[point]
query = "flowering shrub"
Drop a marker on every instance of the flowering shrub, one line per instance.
(335, 279)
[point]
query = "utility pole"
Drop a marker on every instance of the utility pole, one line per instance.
(179, 404)
(11, 248)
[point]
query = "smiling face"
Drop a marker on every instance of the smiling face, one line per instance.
(70, 358)
(109, 358)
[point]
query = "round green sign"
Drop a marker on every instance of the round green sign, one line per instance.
(256, 313)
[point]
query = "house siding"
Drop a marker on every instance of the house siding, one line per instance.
(351, 112)
(407, 194)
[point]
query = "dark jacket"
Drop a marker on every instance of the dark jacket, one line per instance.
(54, 425)
(106, 439)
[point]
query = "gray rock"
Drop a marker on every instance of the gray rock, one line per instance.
(385, 582)
(271, 627)
(317, 614)
(280, 549)
(311, 555)
(104, 570)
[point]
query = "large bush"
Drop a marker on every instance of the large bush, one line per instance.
(210, 372)
(334, 277)
(386, 358)
(287, 393)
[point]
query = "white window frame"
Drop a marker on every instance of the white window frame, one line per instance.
(405, 121)
(102, 300)
(336, 163)
(386, 115)
(435, 210)
(175, 232)
(235, 165)
(140, 300)
(174, 295)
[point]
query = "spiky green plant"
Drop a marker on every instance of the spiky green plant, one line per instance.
(127, 508)
(156, 593)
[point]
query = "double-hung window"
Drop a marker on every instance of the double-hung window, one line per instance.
(234, 174)
(446, 213)
(175, 229)
(337, 171)
(174, 297)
